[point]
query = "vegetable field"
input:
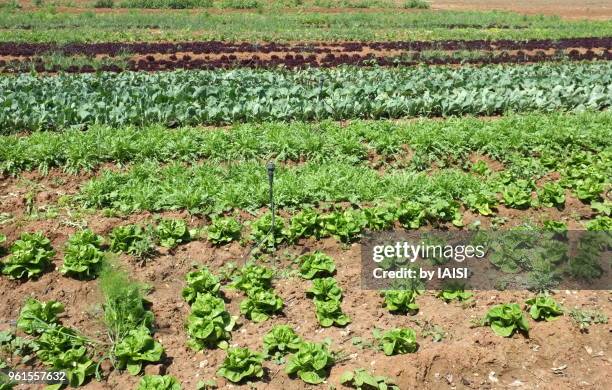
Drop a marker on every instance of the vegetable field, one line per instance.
(186, 198)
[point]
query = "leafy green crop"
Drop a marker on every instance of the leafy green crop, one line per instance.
(344, 226)
(209, 324)
(159, 382)
(361, 379)
(330, 313)
(6, 383)
(281, 340)
(324, 289)
(555, 226)
(588, 189)
(600, 223)
(83, 256)
(261, 231)
(30, 256)
(543, 307)
(172, 232)
(585, 318)
(221, 97)
(602, 208)
(306, 223)
(380, 217)
(517, 194)
(505, 319)
(61, 348)
(482, 201)
(241, 363)
(443, 210)
(401, 301)
(311, 363)
(411, 214)
(551, 195)
(453, 292)
(253, 276)
(201, 281)
(223, 230)
(260, 304)
(132, 239)
(397, 341)
(64, 350)
(316, 264)
(36, 316)
(136, 348)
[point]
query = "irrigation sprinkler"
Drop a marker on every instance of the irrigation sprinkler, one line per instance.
(270, 167)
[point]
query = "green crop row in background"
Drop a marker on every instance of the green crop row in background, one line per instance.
(53, 26)
(223, 97)
(447, 143)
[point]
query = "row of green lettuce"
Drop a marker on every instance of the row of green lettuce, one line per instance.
(443, 143)
(31, 102)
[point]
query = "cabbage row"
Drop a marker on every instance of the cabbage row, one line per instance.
(246, 95)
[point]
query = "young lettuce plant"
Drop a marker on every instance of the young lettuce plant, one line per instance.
(209, 324)
(159, 382)
(36, 316)
(201, 281)
(551, 195)
(136, 348)
(453, 292)
(253, 276)
(131, 239)
(325, 289)
(316, 264)
(64, 350)
(344, 226)
(306, 223)
(30, 256)
(600, 223)
(484, 202)
(517, 195)
(555, 226)
(397, 341)
(543, 307)
(411, 215)
(443, 210)
(261, 231)
(240, 364)
(260, 304)
(311, 363)
(223, 230)
(360, 379)
(505, 319)
(401, 301)
(329, 313)
(380, 217)
(588, 189)
(83, 256)
(172, 232)
(281, 340)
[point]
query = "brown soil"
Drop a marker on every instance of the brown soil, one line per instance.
(555, 355)
(567, 9)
